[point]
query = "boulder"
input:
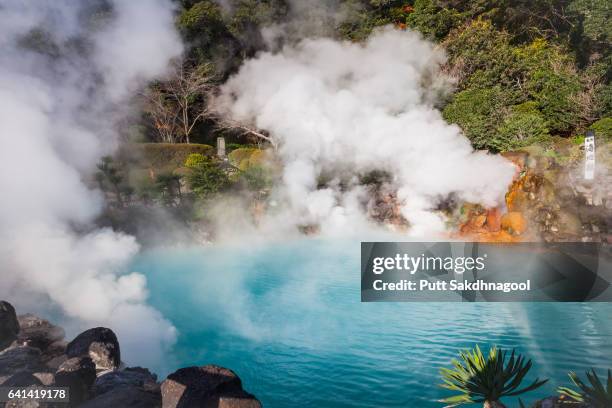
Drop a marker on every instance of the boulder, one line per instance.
(53, 351)
(131, 388)
(38, 332)
(19, 358)
(207, 386)
(46, 378)
(21, 379)
(9, 326)
(78, 374)
(125, 397)
(100, 344)
(55, 362)
(129, 377)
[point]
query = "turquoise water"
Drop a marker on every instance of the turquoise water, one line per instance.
(288, 319)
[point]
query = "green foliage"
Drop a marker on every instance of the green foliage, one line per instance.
(596, 17)
(194, 159)
(477, 112)
(204, 17)
(207, 178)
(553, 83)
(520, 128)
(479, 378)
(603, 128)
(111, 179)
(168, 188)
(361, 17)
(163, 156)
(533, 90)
(204, 28)
(257, 178)
(249, 15)
(596, 394)
(482, 56)
(433, 20)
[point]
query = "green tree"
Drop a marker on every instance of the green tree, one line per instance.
(206, 178)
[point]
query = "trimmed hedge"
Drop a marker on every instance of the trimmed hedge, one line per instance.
(164, 155)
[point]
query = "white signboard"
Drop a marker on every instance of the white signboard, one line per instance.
(589, 159)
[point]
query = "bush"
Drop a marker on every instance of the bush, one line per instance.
(206, 178)
(519, 129)
(163, 156)
(432, 20)
(482, 56)
(194, 159)
(603, 129)
(477, 112)
(487, 378)
(257, 178)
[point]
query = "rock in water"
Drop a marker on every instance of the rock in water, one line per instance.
(100, 344)
(9, 326)
(78, 374)
(37, 332)
(207, 386)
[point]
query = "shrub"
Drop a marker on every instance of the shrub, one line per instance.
(520, 129)
(603, 128)
(164, 156)
(206, 178)
(194, 159)
(595, 394)
(477, 112)
(257, 177)
(487, 379)
(433, 20)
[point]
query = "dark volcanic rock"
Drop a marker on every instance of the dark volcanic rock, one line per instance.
(38, 332)
(203, 387)
(19, 358)
(77, 373)
(53, 351)
(100, 344)
(22, 379)
(130, 377)
(125, 397)
(130, 388)
(9, 326)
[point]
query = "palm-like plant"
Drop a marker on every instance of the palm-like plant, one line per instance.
(487, 380)
(597, 395)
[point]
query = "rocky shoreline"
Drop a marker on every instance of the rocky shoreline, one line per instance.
(33, 352)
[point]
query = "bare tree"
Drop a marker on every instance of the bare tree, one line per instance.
(177, 104)
(224, 123)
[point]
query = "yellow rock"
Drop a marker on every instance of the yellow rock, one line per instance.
(514, 222)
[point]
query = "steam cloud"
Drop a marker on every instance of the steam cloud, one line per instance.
(345, 109)
(65, 69)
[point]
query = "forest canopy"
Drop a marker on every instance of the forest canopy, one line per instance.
(524, 71)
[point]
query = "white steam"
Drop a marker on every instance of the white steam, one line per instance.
(66, 69)
(344, 108)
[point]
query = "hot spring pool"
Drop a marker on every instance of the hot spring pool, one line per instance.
(288, 319)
